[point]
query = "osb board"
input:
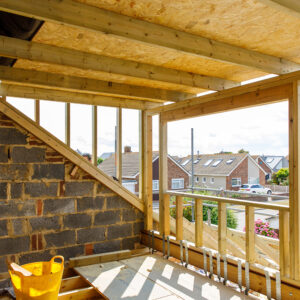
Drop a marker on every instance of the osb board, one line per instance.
(246, 23)
(151, 277)
(98, 43)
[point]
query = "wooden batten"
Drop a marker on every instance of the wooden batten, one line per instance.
(68, 124)
(119, 138)
(198, 223)
(179, 218)
(250, 234)
(222, 228)
(95, 135)
(37, 111)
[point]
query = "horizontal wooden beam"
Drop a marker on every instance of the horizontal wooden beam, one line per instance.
(85, 293)
(261, 97)
(291, 7)
(86, 85)
(17, 48)
(96, 19)
(12, 90)
(236, 91)
(72, 156)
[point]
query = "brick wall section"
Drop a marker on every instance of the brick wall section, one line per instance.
(263, 165)
(46, 211)
(240, 172)
(262, 177)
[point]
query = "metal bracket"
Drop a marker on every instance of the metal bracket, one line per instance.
(225, 269)
(268, 285)
(247, 278)
(211, 267)
(219, 266)
(186, 254)
(181, 251)
(153, 245)
(240, 274)
(205, 261)
(163, 245)
(168, 247)
(278, 286)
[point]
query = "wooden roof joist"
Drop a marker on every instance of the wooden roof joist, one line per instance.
(85, 85)
(11, 90)
(79, 15)
(16, 48)
(289, 6)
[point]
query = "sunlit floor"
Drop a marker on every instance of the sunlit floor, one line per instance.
(152, 277)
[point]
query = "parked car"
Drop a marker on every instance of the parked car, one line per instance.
(255, 188)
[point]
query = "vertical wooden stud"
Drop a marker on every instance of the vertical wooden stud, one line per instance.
(37, 112)
(119, 145)
(294, 156)
(68, 124)
(284, 243)
(179, 218)
(250, 234)
(94, 135)
(163, 176)
(222, 228)
(198, 223)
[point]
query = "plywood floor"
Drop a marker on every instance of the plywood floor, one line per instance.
(152, 277)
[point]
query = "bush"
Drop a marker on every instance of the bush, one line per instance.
(281, 177)
(187, 213)
(263, 228)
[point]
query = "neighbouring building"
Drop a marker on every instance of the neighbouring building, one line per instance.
(263, 165)
(178, 176)
(275, 162)
(224, 171)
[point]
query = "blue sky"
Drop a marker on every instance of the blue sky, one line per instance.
(261, 130)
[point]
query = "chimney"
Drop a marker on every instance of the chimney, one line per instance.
(127, 149)
(198, 153)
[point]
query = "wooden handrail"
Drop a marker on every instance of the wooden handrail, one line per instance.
(231, 201)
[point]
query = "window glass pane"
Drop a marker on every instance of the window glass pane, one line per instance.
(208, 162)
(216, 162)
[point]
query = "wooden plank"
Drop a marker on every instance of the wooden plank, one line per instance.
(65, 96)
(149, 175)
(222, 228)
(72, 156)
(98, 258)
(291, 7)
(115, 280)
(16, 48)
(86, 85)
(94, 135)
(250, 234)
(163, 176)
(119, 137)
(250, 99)
(142, 155)
(284, 243)
(231, 200)
(179, 218)
(289, 289)
(68, 124)
(198, 223)
(97, 19)
(72, 283)
(37, 111)
(86, 293)
(294, 157)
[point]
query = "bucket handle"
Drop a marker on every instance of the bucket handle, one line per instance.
(57, 257)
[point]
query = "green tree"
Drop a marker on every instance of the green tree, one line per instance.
(243, 151)
(281, 177)
(99, 160)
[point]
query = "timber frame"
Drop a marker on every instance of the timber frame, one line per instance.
(80, 55)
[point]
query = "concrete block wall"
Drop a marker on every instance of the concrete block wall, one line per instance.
(50, 206)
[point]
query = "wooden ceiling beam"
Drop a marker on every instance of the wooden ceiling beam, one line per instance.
(291, 7)
(80, 15)
(85, 85)
(249, 99)
(17, 48)
(11, 90)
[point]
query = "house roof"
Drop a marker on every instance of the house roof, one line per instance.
(223, 168)
(272, 160)
(106, 155)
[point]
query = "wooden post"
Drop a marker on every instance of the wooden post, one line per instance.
(222, 228)
(294, 131)
(164, 215)
(119, 145)
(94, 135)
(37, 112)
(250, 234)
(284, 243)
(199, 223)
(68, 124)
(179, 218)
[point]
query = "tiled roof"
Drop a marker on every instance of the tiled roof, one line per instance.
(228, 162)
(130, 164)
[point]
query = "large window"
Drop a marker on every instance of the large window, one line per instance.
(236, 182)
(177, 183)
(155, 185)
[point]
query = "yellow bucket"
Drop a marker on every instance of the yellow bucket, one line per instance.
(43, 284)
